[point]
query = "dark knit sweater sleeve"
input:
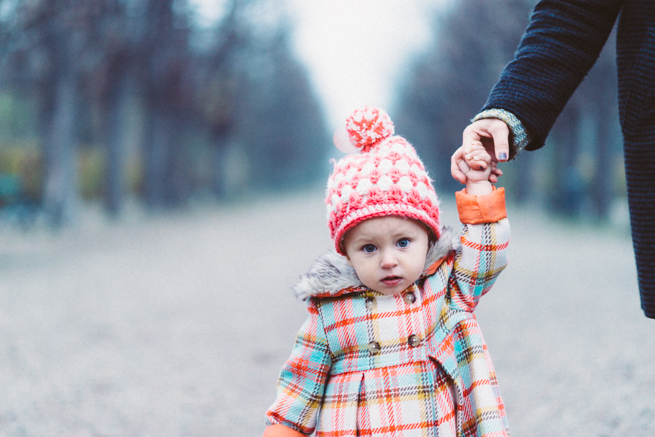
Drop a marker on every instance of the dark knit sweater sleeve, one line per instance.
(560, 45)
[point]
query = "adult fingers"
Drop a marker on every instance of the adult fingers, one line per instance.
(455, 161)
(495, 173)
(493, 133)
(500, 134)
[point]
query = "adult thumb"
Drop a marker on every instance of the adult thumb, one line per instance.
(502, 150)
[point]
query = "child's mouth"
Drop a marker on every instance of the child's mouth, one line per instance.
(391, 280)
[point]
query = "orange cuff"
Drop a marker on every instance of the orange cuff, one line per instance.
(475, 210)
(281, 431)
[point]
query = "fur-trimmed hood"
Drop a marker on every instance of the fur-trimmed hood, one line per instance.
(331, 275)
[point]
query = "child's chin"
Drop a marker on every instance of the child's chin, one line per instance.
(391, 290)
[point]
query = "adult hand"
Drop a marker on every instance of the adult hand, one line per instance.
(494, 135)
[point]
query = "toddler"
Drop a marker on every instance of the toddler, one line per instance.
(391, 346)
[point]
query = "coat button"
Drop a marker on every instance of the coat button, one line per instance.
(409, 298)
(369, 302)
(413, 340)
(374, 347)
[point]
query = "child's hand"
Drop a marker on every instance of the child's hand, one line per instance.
(478, 161)
(477, 166)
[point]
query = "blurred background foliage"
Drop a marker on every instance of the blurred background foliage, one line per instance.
(116, 100)
(120, 99)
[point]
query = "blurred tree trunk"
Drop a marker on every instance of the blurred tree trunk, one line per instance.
(167, 100)
(524, 185)
(157, 134)
(114, 37)
(567, 191)
(604, 103)
(166, 166)
(60, 197)
(222, 89)
(60, 191)
(177, 179)
(601, 188)
(117, 108)
(219, 182)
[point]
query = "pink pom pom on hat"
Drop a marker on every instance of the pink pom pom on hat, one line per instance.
(384, 176)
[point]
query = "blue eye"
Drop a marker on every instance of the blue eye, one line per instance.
(369, 248)
(404, 242)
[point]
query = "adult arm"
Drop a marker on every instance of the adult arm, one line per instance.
(559, 47)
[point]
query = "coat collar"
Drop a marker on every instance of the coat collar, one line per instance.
(332, 276)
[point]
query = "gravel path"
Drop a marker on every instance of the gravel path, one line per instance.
(178, 325)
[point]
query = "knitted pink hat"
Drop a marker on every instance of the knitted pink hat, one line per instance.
(384, 176)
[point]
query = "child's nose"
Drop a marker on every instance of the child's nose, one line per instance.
(388, 259)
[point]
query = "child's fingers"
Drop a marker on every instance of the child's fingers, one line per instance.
(476, 153)
(477, 157)
(477, 160)
(477, 164)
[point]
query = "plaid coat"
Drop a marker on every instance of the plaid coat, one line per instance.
(410, 364)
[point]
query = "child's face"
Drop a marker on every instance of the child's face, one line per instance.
(388, 253)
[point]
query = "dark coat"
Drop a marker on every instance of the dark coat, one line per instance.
(559, 47)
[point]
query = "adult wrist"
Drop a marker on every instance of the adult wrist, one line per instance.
(518, 134)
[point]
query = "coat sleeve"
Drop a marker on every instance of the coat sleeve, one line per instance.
(560, 45)
(302, 380)
(483, 254)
